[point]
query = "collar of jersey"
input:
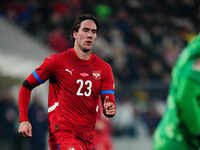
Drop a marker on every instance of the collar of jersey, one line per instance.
(79, 61)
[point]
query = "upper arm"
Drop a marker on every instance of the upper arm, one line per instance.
(41, 73)
(108, 87)
(108, 79)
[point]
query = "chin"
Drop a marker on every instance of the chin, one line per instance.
(85, 50)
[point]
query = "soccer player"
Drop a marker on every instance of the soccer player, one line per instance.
(180, 125)
(77, 78)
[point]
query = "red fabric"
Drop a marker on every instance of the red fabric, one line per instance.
(75, 86)
(24, 98)
(76, 112)
(65, 141)
(25, 94)
(108, 84)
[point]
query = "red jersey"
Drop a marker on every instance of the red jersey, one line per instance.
(74, 89)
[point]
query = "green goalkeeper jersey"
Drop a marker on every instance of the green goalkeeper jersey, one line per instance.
(180, 125)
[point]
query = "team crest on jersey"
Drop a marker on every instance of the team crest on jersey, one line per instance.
(84, 74)
(96, 75)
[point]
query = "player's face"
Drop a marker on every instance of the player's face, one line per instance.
(86, 35)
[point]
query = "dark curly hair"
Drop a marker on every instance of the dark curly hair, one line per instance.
(80, 19)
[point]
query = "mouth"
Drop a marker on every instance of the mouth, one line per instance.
(88, 43)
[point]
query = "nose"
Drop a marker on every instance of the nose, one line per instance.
(90, 34)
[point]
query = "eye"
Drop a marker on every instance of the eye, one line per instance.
(94, 31)
(86, 29)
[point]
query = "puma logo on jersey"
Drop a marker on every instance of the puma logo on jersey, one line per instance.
(70, 71)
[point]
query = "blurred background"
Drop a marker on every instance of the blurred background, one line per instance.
(140, 39)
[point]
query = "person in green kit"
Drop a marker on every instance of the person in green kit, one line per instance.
(179, 128)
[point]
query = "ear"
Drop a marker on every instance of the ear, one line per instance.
(74, 34)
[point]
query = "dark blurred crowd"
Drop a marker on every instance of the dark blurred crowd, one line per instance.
(141, 40)
(9, 138)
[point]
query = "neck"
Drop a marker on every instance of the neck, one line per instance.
(81, 54)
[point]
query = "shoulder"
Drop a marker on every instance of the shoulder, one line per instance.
(102, 62)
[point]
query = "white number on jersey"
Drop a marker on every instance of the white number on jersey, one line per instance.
(81, 83)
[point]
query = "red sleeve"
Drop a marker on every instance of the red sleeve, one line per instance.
(108, 87)
(24, 98)
(37, 77)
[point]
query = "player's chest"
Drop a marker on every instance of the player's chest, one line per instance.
(81, 78)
